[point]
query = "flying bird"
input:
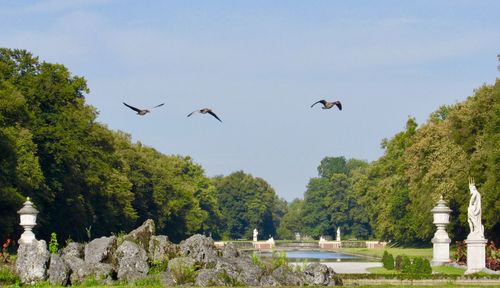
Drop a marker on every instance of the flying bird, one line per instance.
(205, 111)
(142, 112)
(328, 105)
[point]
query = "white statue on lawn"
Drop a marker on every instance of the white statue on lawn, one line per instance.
(476, 255)
(255, 233)
(474, 212)
(338, 234)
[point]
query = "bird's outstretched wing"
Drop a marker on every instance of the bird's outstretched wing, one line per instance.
(193, 112)
(158, 105)
(213, 114)
(338, 104)
(132, 107)
(320, 101)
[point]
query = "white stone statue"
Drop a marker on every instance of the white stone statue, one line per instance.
(255, 233)
(474, 212)
(338, 234)
(476, 252)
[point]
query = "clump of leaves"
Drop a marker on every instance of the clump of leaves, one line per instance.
(492, 256)
(4, 256)
(279, 259)
(53, 245)
(120, 237)
(157, 267)
(255, 258)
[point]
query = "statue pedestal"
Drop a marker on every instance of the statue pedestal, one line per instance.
(440, 249)
(476, 254)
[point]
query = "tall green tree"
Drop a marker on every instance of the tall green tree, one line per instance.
(248, 203)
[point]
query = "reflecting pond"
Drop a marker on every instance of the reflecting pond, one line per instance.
(320, 256)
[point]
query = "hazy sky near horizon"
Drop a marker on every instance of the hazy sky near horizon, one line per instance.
(260, 65)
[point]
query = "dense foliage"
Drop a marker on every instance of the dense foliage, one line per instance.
(85, 179)
(248, 203)
(391, 198)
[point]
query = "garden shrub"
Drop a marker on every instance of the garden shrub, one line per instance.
(492, 256)
(399, 262)
(406, 265)
(426, 269)
(388, 261)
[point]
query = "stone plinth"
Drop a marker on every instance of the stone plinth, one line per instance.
(440, 251)
(476, 255)
(441, 241)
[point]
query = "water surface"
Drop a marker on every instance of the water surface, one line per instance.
(320, 256)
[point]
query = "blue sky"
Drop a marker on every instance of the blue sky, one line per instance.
(260, 65)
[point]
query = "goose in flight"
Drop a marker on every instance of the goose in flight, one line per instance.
(141, 112)
(205, 111)
(328, 105)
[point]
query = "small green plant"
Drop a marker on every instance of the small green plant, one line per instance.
(157, 267)
(53, 245)
(120, 237)
(279, 259)
(255, 258)
(8, 277)
(183, 273)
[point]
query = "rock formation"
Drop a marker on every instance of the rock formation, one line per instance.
(195, 261)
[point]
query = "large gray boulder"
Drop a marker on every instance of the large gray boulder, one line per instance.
(319, 274)
(59, 271)
(210, 277)
(142, 235)
(200, 248)
(32, 261)
(230, 250)
(269, 281)
(160, 249)
(100, 250)
(167, 279)
(239, 271)
(132, 261)
(79, 270)
(74, 249)
(287, 277)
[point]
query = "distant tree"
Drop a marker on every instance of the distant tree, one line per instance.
(291, 222)
(248, 203)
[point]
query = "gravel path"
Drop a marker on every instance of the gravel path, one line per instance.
(352, 267)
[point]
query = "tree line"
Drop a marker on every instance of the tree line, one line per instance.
(391, 198)
(87, 180)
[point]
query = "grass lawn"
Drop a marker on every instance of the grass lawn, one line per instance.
(411, 252)
(448, 270)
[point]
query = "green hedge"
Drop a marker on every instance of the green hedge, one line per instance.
(419, 276)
